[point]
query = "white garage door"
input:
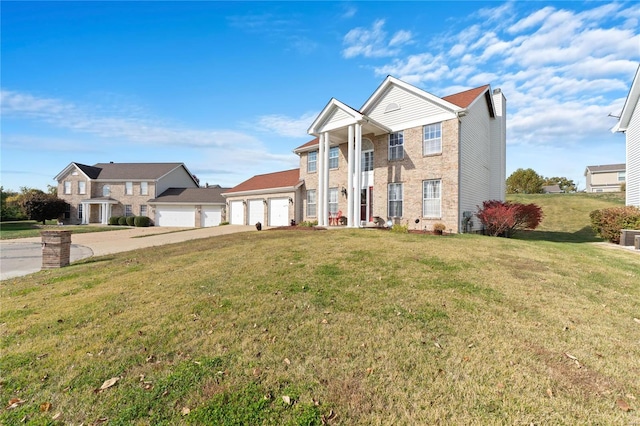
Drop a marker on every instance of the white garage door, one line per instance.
(279, 212)
(211, 216)
(237, 213)
(183, 216)
(256, 212)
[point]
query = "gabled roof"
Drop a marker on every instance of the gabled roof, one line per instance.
(350, 116)
(210, 195)
(126, 171)
(629, 105)
(287, 179)
(313, 143)
(468, 97)
(607, 168)
(391, 81)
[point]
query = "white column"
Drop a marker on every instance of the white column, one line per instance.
(325, 203)
(85, 213)
(358, 174)
(320, 189)
(350, 168)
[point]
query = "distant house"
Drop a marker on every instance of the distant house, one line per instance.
(404, 156)
(551, 189)
(165, 192)
(606, 178)
(629, 124)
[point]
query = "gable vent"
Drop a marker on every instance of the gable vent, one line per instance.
(392, 107)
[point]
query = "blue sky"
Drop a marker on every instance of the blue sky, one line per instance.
(230, 88)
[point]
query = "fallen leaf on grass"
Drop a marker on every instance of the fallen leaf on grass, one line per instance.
(14, 403)
(286, 399)
(568, 355)
(57, 416)
(550, 392)
(637, 320)
(622, 404)
(45, 407)
(185, 411)
(438, 345)
(107, 384)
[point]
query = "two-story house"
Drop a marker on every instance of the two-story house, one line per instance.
(629, 124)
(405, 156)
(165, 192)
(605, 178)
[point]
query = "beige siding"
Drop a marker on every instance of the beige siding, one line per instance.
(178, 178)
(633, 159)
(475, 164)
(412, 109)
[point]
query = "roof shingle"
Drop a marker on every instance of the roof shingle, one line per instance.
(283, 179)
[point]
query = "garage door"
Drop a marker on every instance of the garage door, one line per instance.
(279, 212)
(237, 213)
(256, 212)
(211, 216)
(183, 216)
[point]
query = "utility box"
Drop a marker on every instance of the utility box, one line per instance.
(56, 249)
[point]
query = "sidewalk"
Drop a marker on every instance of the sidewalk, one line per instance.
(24, 256)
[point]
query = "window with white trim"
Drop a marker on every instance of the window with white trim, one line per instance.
(128, 188)
(312, 203)
(622, 176)
(128, 210)
(396, 146)
(333, 157)
(143, 210)
(312, 161)
(395, 200)
(432, 139)
(144, 188)
(431, 198)
(367, 161)
(106, 191)
(67, 187)
(82, 187)
(67, 211)
(79, 211)
(333, 200)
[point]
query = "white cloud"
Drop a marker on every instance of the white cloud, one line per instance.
(287, 126)
(372, 43)
(531, 20)
(68, 116)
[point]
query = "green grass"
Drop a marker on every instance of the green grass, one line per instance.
(566, 216)
(458, 330)
(31, 228)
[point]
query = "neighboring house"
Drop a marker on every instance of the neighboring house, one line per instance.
(273, 199)
(606, 178)
(629, 123)
(404, 155)
(165, 192)
(552, 189)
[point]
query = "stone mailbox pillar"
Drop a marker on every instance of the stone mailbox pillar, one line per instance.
(56, 249)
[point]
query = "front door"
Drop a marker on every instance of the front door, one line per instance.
(366, 204)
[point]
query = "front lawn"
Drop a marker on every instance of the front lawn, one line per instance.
(31, 228)
(345, 327)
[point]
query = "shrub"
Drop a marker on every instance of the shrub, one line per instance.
(114, 220)
(623, 187)
(400, 229)
(130, 220)
(439, 226)
(122, 221)
(607, 223)
(502, 218)
(141, 221)
(309, 223)
(223, 223)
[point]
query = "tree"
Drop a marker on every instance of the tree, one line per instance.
(566, 185)
(40, 206)
(503, 218)
(10, 208)
(524, 181)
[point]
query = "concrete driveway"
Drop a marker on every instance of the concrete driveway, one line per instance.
(24, 256)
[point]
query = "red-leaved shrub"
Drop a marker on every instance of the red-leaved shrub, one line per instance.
(607, 223)
(502, 218)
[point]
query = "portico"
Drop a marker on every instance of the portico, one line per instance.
(97, 210)
(338, 124)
